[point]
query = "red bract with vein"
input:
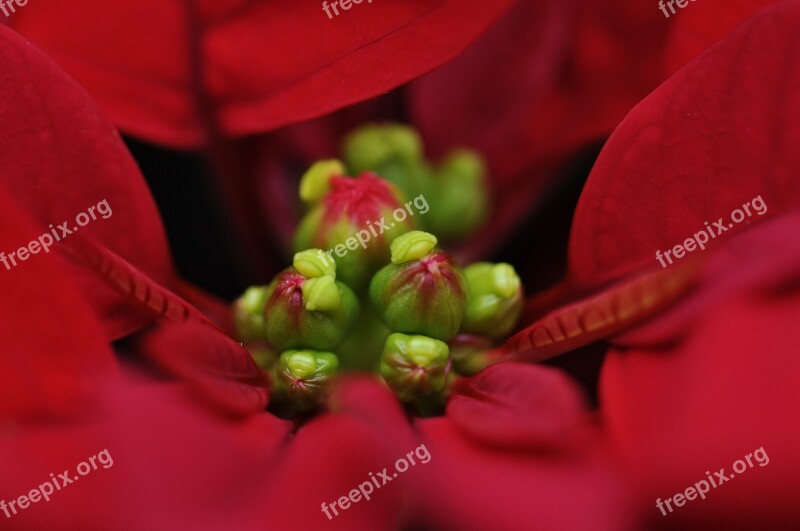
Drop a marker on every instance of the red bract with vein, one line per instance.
(680, 159)
(175, 72)
(61, 158)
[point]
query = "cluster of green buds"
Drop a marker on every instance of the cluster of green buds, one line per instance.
(455, 186)
(369, 295)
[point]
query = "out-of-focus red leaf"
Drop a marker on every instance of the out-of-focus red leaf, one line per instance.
(715, 136)
(61, 159)
(164, 454)
(334, 454)
(548, 78)
(724, 386)
(222, 370)
(694, 30)
(165, 70)
(54, 350)
(519, 407)
(471, 487)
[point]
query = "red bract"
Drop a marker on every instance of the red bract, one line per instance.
(713, 381)
(62, 158)
(683, 158)
(177, 72)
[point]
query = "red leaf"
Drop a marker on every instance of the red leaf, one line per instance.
(54, 350)
(171, 72)
(517, 406)
(704, 24)
(723, 387)
(471, 487)
(167, 454)
(715, 136)
(601, 315)
(222, 371)
(60, 159)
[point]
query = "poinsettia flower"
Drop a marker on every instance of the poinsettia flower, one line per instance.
(73, 398)
(513, 430)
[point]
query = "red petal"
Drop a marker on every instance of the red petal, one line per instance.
(724, 386)
(707, 22)
(166, 455)
(601, 315)
(715, 136)
(170, 73)
(517, 406)
(54, 349)
(60, 159)
(222, 371)
(334, 454)
(470, 487)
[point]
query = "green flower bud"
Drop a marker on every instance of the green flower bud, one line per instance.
(248, 314)
(425, 295)
(373, 144)
(302, 377)
(412, 246)
(460, 196)
(315, 183)
(321, 294)
(301, 316)
(494, 299)
(415, 366)
(354, 226)
(313, 263)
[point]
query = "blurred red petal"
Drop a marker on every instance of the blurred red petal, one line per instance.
(724, 386)
(54, 349)
(704, 24)
(168, 471)
(334, 454)
(169, 71)
(517, 406)
(221, 369)
(471, 487)
(60, 158)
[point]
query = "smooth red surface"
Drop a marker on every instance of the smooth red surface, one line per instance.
(173, 71)
(714, 136)
(712, 381)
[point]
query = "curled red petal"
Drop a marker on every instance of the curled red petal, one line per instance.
(601, 315)
(517, 406)
(222, 371)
